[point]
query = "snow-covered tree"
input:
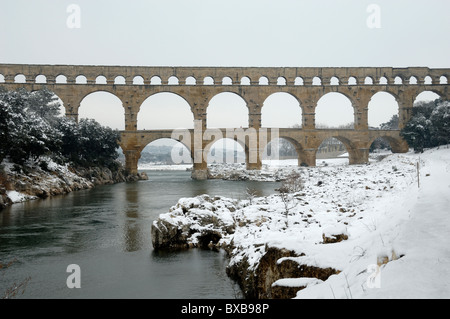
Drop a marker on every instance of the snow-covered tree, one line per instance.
(429, 125)
(30, 126)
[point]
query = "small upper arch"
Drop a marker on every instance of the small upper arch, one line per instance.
(120, 80)
(20, 78)
(101, 79)
(138, 80)
(281, 80)
(263, 80)
(173, 80)
(40, 79)
(334, 80)
(61, 79)
(190, 80)
(155, 80)
(81, 79)
(245, 80)
(227, 81)
(352, 81)
(208, 80)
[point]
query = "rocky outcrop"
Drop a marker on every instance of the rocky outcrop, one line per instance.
(197, 224)
(265, 281)
(213, 223)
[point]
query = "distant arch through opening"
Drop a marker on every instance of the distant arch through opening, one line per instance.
(332, 151)
(164, 151)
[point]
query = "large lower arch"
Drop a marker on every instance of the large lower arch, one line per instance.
(426, 96)
(57, 101)
(281, 110)
(164, 151)
(335, 110)
(385, 141)
(105, 108)
(227, 110)
(165, 110)
(383, 108)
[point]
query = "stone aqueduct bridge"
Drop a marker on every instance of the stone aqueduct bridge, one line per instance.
(307, 85)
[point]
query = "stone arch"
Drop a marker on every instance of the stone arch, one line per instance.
(40, 79)
(427, 95)
(334, 80)
(138, 80)
(208, 80)
(332, 107)
(62, 108)
(227, 108)
(316, 81)
(20, 78)
(299, 81)
(352, 81)
(173, 80)
(412, 80)
(397, 145)
(101, 79)
(165, 110)
(274, 151)
(245, 80)
(120, 80)
(155, 80)
(103, 106)
(263, 80)
(368, 80)
(427, 80)
(382, 107)
(80, 79)
(281, 80)
(443, 79)
(383, 80)
(226, 80)
(398, 80)
(271, 115)
(190, 80)
(2, 78)
(61, 79)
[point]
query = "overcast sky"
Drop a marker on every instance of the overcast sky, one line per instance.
(297, 33)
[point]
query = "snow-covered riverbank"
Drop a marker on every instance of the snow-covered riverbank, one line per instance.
(360, 231)
(46, 178)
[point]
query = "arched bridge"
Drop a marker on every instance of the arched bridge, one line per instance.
(198, 85)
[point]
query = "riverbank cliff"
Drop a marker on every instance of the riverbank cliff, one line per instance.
(43, 179)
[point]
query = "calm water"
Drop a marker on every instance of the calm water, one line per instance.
(106, 231)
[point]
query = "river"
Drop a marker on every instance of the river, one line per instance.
(106, 232)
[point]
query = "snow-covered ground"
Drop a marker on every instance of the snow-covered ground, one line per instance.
(398, 227)
(164, 167)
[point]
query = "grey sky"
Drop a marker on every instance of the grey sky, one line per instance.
(227, 33)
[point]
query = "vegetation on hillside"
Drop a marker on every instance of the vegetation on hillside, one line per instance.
(31, 127)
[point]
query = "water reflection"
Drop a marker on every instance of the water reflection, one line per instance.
(133, 239)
